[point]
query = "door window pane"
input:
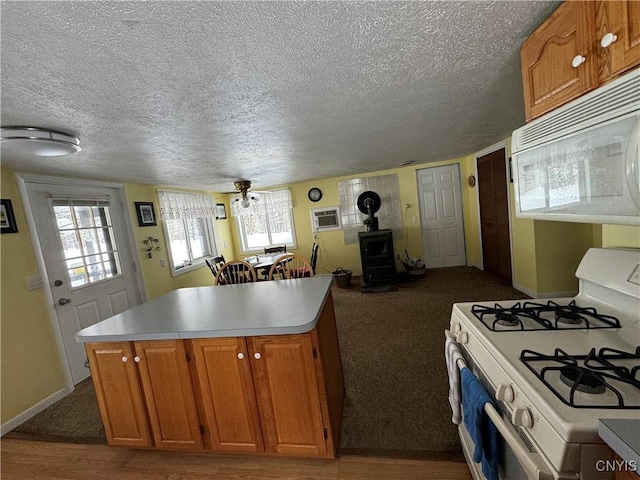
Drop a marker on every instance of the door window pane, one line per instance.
(87, 239)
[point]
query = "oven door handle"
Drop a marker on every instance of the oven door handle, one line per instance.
(531, 462)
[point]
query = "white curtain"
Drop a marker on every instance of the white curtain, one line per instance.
(277, 201)
(183, 205)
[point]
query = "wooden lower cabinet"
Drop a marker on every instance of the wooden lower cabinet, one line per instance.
(228, 398)
(168, 394)
(144, 394)
(119, 393)
(261, 394)
(287, 392)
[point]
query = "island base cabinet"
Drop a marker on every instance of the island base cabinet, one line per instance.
(288, 397)
(229, 401)
(144, 394)
(168, 393)
(119, 394)
(261, 394)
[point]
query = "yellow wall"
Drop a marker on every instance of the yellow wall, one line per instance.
(625, 236)
(30, 370)
(559, 248)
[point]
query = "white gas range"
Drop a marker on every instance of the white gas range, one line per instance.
(555, 367)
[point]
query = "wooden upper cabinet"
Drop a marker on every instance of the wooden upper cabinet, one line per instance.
(119, 394)
(168, 393)
(286, 385)
(229, 400)
(618, 37)
(548, 56)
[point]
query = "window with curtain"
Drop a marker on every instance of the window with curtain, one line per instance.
(187, 220)
(267, 222)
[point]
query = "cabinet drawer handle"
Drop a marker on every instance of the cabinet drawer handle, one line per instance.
(240, 355)
(136, 359)
(577, 61)
(124, 359)
(257, 356)
(607, 40)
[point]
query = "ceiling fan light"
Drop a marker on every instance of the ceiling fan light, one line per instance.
(38, 141)
(245, 202)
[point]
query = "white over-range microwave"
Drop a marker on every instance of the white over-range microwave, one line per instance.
(580, 163)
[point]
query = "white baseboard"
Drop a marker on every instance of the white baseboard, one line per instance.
(524, 290)
(532, 294)
(571, 293)
(477, 265)
(33, 411)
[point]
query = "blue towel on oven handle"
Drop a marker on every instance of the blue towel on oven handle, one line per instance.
(480, 427)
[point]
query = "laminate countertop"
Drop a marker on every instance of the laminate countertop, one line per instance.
(277, 307)
(623, 436)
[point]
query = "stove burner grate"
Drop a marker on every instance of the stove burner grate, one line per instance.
(499, 316)
(595, 373)
(532, 316)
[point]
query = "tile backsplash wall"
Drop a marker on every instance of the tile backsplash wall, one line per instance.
(389, 215)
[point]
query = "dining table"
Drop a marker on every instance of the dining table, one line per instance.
(263, 262)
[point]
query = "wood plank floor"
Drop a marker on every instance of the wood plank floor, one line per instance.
(22, 459)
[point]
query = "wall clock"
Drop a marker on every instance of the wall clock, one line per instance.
(314, 194)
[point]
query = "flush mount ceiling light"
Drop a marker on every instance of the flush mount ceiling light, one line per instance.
(38, 141)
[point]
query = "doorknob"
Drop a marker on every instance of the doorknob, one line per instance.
(57, 283)
(64, 301)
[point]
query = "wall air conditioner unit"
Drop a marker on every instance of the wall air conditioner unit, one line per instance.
(325, 219)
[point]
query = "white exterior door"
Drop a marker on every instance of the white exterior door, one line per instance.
(441, 216)
(90, 267)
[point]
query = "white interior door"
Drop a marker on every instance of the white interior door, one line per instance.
(441, 216)
(89, 264)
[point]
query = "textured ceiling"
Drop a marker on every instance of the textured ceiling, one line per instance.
(198, 94)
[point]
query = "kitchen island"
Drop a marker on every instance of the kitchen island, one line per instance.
(252, 368)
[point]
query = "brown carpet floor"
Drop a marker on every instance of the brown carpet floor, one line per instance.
(392, 347)
(392, 353)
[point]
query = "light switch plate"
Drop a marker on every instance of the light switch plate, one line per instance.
(34, 283)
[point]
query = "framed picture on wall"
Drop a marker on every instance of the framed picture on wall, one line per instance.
(146, 214)
(221, 213)
(7, 219)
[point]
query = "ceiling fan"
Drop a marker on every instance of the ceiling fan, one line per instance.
(242, 187)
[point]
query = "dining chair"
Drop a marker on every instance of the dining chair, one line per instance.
(215, 264)
(236, 271)
(314, 256)
(290, 265)
(280, 249)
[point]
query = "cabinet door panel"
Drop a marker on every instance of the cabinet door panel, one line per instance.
(169, 394)
(549, 79)
(119, 394)
(228, 394)
(622, 19)
(287, 392)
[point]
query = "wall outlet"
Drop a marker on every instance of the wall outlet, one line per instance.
(163, 262)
